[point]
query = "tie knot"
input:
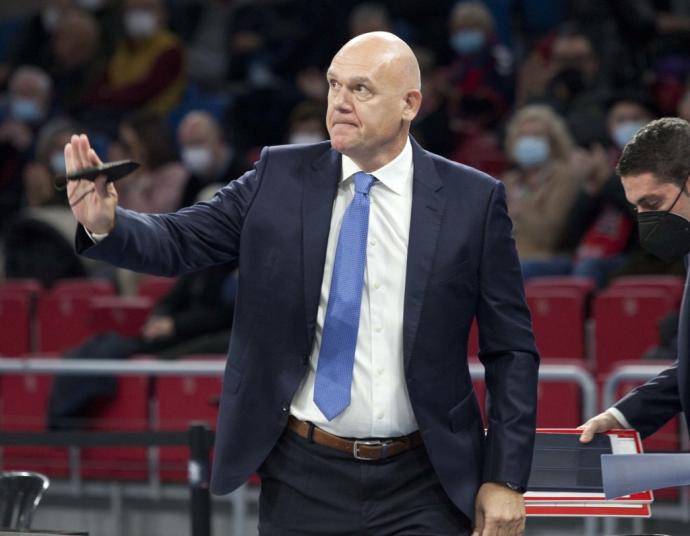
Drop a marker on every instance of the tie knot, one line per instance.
(363, 182)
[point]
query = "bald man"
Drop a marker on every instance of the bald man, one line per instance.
(363, 262)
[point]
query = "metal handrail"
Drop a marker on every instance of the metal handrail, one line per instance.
(627, 373)
(38, 365)
(89, 367)
(563, 372)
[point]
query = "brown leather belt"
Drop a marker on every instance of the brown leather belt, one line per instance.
(378, 449)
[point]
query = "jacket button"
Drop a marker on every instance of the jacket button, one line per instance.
(286, 407)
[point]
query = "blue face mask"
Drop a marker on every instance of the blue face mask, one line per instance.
(465, 42)
(530, 151)
(25, 110)
(624, 132)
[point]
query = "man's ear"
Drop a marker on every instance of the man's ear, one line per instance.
(412, 102)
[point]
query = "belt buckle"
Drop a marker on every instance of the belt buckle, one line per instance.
(371, 443)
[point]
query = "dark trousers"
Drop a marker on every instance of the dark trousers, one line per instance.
(309, 489)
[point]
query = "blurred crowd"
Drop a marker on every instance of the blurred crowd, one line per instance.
(540, 94)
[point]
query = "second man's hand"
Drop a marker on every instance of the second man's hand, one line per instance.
(598, 425)
(92, 202)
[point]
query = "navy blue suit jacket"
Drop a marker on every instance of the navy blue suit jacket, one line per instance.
(651, 405)
(461, 263)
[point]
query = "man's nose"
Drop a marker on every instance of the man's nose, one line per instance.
(343, 100)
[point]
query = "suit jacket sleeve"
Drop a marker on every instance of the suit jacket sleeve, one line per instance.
(648, 407)
(190, 239)
(507, 351)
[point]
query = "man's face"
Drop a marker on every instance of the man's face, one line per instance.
(367, 106)
(575, 52)
(645, 192)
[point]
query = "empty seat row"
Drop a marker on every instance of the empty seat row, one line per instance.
(141, 404)
(54, 320)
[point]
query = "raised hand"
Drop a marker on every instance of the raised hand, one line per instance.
(93, 202)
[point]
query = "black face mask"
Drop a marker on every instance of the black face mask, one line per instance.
(664, 234)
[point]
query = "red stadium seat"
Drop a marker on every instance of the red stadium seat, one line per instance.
(559, 403)
(155, 287)
(128, 412)
(83, 287)
(23, 287)
(179, 402)
(584, 285)
(64, 313)
(23, 408)
(626, 320)
(558, 321)
(672, 284)
(15, 319)
(118, 314)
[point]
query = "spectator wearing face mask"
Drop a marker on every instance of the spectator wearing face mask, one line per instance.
(307, 123)
(540, 189)
(601, 225)
(566, 73)
(26, 104)
(147, 69)
(480, 67)
(210, 160)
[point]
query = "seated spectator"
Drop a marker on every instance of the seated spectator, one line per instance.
(601, 224)
(369, 17)
(307, 123)
(158, 185)
(567, 76)
(78, 59)
(32, 45)
(481, 67)
(27, 104)
(147, 67)
(207, 156)
(431, 126)
(540, 189)
(193, 318)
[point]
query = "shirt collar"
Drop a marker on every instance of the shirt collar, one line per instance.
(394, 175)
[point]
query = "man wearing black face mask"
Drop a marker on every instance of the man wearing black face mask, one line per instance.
(655, 171)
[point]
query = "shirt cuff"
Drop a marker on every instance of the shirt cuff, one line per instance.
(616, 413)
(95, 237)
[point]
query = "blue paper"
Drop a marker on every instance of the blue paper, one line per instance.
(623, 474)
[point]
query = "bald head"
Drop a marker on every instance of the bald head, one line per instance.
(373, 96)
(390, 54)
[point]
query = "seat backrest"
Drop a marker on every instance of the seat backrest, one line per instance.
(20, 493)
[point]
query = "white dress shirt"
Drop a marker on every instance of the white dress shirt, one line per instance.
(380, 404)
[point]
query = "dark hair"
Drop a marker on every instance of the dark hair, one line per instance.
(155, 135)
(662, 147)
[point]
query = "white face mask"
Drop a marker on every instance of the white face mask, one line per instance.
(305, 137)
(197, 158)
(57, 162)
(140, 23)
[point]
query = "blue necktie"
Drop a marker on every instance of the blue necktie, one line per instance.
(339, 339)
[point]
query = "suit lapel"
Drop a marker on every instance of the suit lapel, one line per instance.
(320, 185)
(428, 204)
(683, 350)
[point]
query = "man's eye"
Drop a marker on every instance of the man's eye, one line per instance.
(361, 89)
(333, 84)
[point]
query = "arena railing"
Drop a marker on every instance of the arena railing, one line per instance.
(242, 497)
